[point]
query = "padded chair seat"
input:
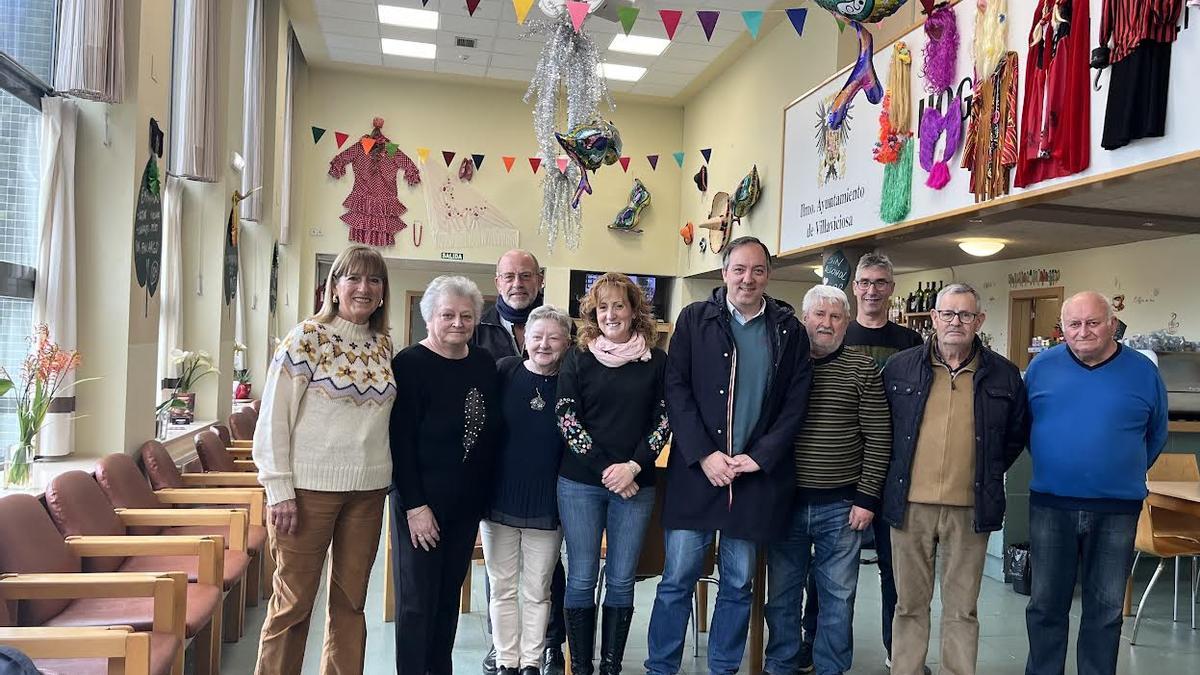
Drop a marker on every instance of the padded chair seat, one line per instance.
(163, 648)
(202, 602)
(236, 563)
(256, 539)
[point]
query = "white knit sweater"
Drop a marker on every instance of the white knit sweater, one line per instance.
(323, 424)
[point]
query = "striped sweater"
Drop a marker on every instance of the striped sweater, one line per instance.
(843, 449)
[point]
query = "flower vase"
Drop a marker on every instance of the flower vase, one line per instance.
(18, 469)
(189, 397)
(242, 391)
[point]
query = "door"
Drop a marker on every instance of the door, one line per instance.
(1032, 313)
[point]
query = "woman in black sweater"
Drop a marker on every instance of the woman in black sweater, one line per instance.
(613, 414)
(443, 432)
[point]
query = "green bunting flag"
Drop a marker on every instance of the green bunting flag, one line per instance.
(627, 15)
(318, 132)
(678, 159)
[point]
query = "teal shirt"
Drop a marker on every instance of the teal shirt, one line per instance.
(750, 380)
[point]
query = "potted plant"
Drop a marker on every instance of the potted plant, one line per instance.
(172, 410)
(241, 390)
(193, 366)
(42, 377)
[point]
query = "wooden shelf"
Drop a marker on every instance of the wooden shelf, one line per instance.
(1184, 426)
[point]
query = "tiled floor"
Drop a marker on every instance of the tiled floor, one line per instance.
(1164, 647)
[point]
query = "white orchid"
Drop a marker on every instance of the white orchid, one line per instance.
(192, 367)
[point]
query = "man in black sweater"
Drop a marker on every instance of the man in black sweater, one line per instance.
(501, 331)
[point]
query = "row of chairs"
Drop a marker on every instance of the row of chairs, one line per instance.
(127, 568)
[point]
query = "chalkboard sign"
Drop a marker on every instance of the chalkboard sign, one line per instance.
(231, 255)
(836, 271)
(147, 229)
(274, 276)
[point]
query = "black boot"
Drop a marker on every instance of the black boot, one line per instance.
(552, 661)
(614, 631)
(581, 638)
(489, 662)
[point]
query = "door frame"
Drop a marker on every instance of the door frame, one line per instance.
(1057, 292)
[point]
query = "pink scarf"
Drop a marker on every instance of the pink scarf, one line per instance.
(616, 354)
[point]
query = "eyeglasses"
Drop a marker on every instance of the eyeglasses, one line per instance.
(879, 284)
(948, 315)
(509, 277)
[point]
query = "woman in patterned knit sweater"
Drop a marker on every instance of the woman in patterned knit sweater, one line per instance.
(321, 447)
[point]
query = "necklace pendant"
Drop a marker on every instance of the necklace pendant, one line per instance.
(537, 402)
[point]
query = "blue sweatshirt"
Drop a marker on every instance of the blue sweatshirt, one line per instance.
(1096, 429)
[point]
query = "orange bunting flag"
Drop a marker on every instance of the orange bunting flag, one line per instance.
(508, 163)
(367, 143)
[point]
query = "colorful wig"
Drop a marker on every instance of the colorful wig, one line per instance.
(941, 49)
(991, 36)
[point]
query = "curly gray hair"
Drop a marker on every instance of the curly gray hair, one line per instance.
(450, 285)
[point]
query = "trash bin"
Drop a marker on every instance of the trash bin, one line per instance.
(1017, 569)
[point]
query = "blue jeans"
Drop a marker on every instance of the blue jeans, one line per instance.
(1100, 546)
(825, 528)
(587, 512)
(685, 551)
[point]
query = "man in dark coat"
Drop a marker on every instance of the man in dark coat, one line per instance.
(501, 331)
(738, 375)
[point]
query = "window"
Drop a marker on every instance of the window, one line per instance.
(26, 62)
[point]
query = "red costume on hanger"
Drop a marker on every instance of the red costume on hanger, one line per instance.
(372, 209)
(1056, 115)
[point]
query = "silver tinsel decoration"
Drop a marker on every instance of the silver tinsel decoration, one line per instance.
(568, 67)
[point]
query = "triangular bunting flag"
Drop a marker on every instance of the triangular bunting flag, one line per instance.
(708, 21)
(624, 164)
(753, 21)
(448, 156)
(534, 163)
(340, 138)
(521, 7)
(578, 12)
(472, 5)
(508, 162)
(318, 132)
(423, 154)
(678, 158)
(367, 143)
(798, 15)
(424, 2)
(841, 25)
(670, 20)
(707, 152)
(627, 15)
(478, 159)
(391, 149)
(653, 159)
(561, 163)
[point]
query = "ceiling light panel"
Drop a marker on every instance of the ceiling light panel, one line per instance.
(415, 50)
(638, 44)
(614, 71)
(410, 18)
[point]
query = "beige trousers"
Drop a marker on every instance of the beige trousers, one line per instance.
(519, 559)
(347, 525)
(930, 529)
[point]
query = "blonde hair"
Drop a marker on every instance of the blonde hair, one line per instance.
(643, 320)
(900, 88)
(991, 36)
(365, 261)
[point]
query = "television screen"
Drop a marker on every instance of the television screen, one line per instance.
(657, 290)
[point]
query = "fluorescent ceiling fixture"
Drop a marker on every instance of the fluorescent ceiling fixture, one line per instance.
(416, 50)
(819, 272)
(981, 248)
(411, 18)
(615, 71)
(637, 44)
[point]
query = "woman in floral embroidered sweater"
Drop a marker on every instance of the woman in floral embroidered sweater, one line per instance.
(321, 446)
(613, 414)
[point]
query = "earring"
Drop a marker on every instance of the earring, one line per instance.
(335, 300)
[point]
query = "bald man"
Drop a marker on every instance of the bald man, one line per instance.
(1099, 414)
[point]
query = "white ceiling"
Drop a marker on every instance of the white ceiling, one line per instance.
(352, 32)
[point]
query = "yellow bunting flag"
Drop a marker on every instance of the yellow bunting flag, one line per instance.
(522, 9)
(423, 154)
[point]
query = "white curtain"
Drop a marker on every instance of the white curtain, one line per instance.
(252, 113)
(54, 296)
(170, 284)
(285, 209)
(90, 58)
(194, 91)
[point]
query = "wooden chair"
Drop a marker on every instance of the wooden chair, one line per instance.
(214, 456)
(242, 424)
(103, 650)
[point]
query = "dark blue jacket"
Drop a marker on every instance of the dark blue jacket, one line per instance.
(1001, 428)
(699, 389)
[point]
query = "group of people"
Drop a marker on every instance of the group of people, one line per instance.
(792, 435)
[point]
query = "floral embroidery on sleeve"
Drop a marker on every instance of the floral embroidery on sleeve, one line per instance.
(577, 438)
(662, 430)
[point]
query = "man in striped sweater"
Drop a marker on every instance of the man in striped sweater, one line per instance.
(841, 460)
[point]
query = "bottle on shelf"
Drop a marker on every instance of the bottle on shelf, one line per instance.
(911, 303)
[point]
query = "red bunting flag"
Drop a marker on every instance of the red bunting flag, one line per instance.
(653, 159)
(367, 143)
(561, 162)
(448, 156)
(340, 138)
(625, 164)
(471, 6)
(670, 20)
(508, 163)
(534, 163)
(708, 21)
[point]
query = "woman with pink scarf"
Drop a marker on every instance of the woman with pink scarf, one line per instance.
(613, 414)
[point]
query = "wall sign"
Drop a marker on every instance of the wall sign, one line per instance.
(147, 229)
(836, 270)
(447, 255)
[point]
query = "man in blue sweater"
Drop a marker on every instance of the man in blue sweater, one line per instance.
(1099, 421)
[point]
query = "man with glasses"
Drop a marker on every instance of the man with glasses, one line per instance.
(959, 420)
(1099, 421)
(501, 331)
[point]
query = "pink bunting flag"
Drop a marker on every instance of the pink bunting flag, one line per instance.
(561, 163)
(670, 20)
(708, 21)
(625, 164)
(578, 11)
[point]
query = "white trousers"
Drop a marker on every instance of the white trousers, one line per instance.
(524, 559)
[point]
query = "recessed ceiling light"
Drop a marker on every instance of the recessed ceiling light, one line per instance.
(615, 71)
(639, 44)
(416, 50)
(981, 247)
(411, 18)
